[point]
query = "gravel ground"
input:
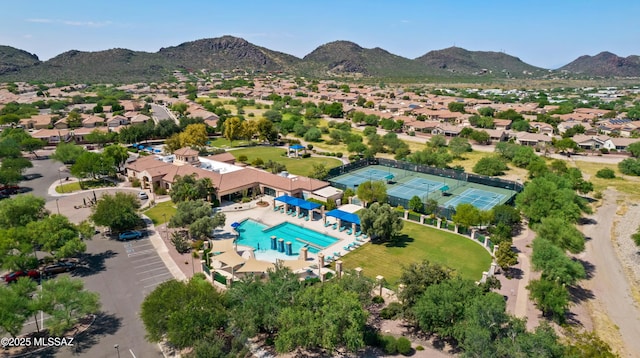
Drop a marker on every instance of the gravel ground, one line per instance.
(625, 226)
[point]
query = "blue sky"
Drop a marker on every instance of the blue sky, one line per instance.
(547, 34)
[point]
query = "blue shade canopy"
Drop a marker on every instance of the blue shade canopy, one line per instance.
(444, 188)
(141, 147)
(344, 216)
(389, 177)
(303, 204)
(297, 146)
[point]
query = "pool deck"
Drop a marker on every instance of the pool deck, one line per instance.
(266, 215)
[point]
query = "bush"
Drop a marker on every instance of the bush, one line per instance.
(606, 173)
(339, 154)
(246, 199)
(604, 150)
(242, 158)
(597, 195)
(630, 166)
(490, 166)
(135, 182)
(306, 155)
(392, 311)
(160, 191)
(378, 299)
(258, 162)
(403, 346)
(419, 348)
(389, 345)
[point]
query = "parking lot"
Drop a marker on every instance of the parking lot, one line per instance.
(148, 266)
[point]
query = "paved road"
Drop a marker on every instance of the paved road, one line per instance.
(161, 113)
(44, 172)
(609, 283)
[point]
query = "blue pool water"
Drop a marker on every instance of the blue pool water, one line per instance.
(258, 236)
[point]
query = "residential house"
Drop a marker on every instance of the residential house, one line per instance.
(52, 136)
(40, 121)
(420, 126)
(92, 121)
(79, 134)
(447, 130)
(117, 121)
(502, 124)
(140, 118)
(564, 126)
(531, 139)
(542, 128)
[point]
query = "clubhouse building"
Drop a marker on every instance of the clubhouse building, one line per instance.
(231, 181)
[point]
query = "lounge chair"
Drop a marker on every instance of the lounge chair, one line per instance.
(306, 218)
(335, 226)
(282, 209)
(327, 224)
(358, 233)
(336, 254)
(349, 231)
(355, 244)
(348, 247)
(342, 228)
(359, 239)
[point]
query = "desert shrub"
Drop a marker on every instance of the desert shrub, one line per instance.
(403, 346)
(135, 182)
(392, 311)
(243, 158)
(389, 345)
(419, 348)
(306, 155)
(606, 173)
(258, 162)
(378, 299)
(339, 154)
(604, 150)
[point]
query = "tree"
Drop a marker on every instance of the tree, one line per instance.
(267, 132)
(14, 306)
(56, 235)
(551, 298)
(183, 312)
(554, 264)
(179, 107)
(322, 316)
(415, 204)
(12, 169)
(381, 222)
(313, 135)
(505, 256)
(417, 277)
(21, 210)
(456, 107)
(371, 191)
(319, 172)
(566, 144)
(232, 128)
(630, 166)
(550, 196)
(118, 211)
(441, 309)
(66, 301)
(634, 149)
(562, 234)
(523, 156)
(117, 154)
(606, 173)
(189, 188)
(586, 344)
(490, 166)
(67, 153)
(31, 145)
(459, 146)
(88, 164)
(194, 135)
(481, 137)
(99, 137)
(466, 215)
(437, 141)
(273, 115)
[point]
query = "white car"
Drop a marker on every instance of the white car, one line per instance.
(143, 196)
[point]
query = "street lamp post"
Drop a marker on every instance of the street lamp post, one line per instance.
(57, 206)
(60, 180)
(166, 230)
(117, 348)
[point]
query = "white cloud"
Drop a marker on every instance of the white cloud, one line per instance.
(71, 22)
(41, 21)
(27, 36)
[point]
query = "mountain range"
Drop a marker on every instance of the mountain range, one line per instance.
(338, 58)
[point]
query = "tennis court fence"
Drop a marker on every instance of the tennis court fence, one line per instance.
(419, 168)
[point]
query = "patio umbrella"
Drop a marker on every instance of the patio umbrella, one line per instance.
(235, 224)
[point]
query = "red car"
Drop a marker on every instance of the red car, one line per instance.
(13, 277)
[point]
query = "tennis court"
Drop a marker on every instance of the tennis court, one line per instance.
(354, 179)
(481, 199)
(416, 187)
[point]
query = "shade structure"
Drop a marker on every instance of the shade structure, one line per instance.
(303, 204)
(389, 177)
(295, 265)
(255, 266)
(222, 245)
(297, 147)
(229, 258)
(141, 147)
(444, 188)
(235, 224)
(344, 216)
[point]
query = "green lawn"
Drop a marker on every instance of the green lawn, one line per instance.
(302, 167)
(416, 244)
(224, 143)
(159, 212)
(86, 185)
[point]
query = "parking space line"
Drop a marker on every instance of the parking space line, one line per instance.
(149, 278)
(138, 253)
(142, 245)
(154, 269)
(149, 264)
(145, 258)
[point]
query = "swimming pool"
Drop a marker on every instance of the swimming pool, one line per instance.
(258, 236)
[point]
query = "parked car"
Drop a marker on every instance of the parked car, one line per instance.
(59, 267)
(14, 276)
(143, 196)
(129, 235)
